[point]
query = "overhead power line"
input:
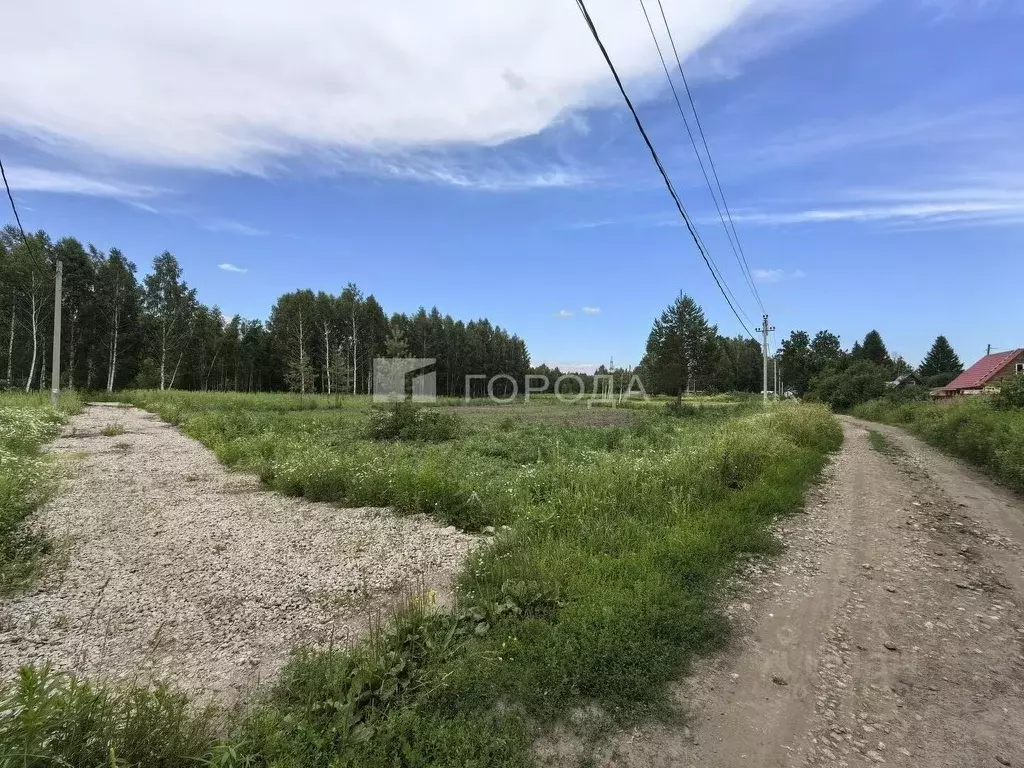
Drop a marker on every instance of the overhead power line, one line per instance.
(741, 256)
(733, 244)
(14, 207)
(661, 168)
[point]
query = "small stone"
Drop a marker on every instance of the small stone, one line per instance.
(890, 589)
(488, 530)
(1002, 760)
(890, 645)
(962, 585)
(779, 680)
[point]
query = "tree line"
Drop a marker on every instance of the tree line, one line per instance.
(686, 353)
(118, 331)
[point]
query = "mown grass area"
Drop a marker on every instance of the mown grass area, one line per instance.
(972, 428)
(26, 478)
(600, 591)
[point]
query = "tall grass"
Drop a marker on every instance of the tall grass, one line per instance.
(26, 479)
(599, 593)
(971, 428)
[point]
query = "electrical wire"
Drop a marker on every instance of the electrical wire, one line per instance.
(14, 207)
(657, 161)
(745, 267)
(733, 243)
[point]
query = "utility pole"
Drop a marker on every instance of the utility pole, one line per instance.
(989, 350)
(55, 374)
(765, 330)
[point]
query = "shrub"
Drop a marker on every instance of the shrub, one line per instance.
(1011, 394)
(405, 420)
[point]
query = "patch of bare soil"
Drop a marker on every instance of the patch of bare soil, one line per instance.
(179, 570)
(891, 632)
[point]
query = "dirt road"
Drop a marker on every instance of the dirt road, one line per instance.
(891, 632)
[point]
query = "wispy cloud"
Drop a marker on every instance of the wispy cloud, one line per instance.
(776, 275)
(591, 310)
(25, 178)
(231, 227)
(564, 313)
(995, 206)
(231, 268)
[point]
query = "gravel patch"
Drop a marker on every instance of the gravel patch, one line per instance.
(179, 570)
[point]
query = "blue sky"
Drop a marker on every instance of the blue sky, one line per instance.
(478, 158)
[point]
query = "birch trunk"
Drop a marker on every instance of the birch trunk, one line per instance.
(10, 342)
(35, 339)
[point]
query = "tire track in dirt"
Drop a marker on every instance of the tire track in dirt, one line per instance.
(890, 632)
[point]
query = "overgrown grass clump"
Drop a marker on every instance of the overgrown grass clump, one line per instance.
(982, 430)
(26, 479)
(51, 719)
(600, 592)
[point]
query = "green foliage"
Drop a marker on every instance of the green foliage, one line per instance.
(406, 420)
(680, 347)
(941, 365)
(51, 719)
(1011, 394)
(843, 389)
(973, 428)
(26, 479)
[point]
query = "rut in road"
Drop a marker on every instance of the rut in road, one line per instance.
(890, 632)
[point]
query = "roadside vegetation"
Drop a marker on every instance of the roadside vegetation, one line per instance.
(986, 431)
(26, 479)
(598, 593)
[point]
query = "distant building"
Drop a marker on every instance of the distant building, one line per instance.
(910, 379)
(984, 376)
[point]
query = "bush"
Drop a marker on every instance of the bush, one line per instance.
(841, 390)
(405, 420)
(1011, 395)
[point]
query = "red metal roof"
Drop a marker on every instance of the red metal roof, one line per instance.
(983, 370)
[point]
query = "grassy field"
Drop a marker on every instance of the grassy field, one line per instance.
(26, 478)
(972, 428)
(598, 593)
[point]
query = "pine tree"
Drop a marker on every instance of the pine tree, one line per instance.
(941, 365)
(873, 349)
(680, 347)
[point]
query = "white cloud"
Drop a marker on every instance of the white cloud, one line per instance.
(231, 268)
(565, 313)
(776, 275)
(243, 85)
(983, 211)
(591, 310)
(231, 227)
(32, 179)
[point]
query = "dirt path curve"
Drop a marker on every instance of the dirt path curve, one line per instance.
(891, 632)
(178, 569)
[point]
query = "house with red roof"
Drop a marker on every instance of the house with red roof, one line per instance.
(985, 375)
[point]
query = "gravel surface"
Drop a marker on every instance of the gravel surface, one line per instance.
(891, 631)
(179, 570)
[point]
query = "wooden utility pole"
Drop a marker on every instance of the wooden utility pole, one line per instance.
(55, 371)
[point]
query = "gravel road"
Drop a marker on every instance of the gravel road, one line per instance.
(891, 632)
(177, 569)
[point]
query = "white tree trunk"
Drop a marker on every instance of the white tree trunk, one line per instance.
(10, 342)
(354, 353)
(35, 339)
(302, 357)
(113, 348)
(327, 355)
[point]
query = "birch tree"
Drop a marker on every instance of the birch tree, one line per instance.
(169, 302)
